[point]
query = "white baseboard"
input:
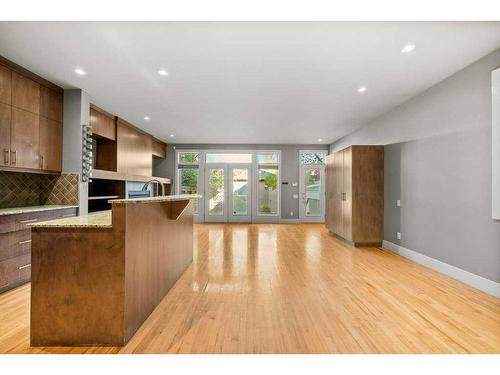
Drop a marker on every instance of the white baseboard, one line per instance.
(476, 281)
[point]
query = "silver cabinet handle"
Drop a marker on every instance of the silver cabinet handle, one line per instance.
(28, 221)
(25, 266)
(13, 157)
(23, 242)
(6, 154)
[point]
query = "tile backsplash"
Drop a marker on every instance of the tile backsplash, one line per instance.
(30, 189)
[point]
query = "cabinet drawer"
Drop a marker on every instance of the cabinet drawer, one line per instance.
(14, 244)
(12, 223)
(14, 272)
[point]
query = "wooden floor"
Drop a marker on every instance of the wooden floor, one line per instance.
(268, 288)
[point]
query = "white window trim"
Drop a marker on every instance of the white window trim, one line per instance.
(256, 218)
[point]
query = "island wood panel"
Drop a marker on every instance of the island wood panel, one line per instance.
(113, 278)
(77, 287)
(25, 93)
(166, 250)
(5, 85)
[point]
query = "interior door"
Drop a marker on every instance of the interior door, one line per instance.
(312, 192)
(239, 193)
(216, 193)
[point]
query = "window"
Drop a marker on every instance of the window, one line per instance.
(240, 192)
(267, 190)
(313, 157)
(268, 158)
(228, 158)
(188, 175)
(188, 181)
(188, 158)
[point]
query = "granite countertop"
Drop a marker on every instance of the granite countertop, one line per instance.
(164, 198)
(24, 210)
(101, 219)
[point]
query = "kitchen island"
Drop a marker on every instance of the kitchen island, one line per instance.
(96, 278)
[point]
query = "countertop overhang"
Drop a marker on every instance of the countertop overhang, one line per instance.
(103, 219)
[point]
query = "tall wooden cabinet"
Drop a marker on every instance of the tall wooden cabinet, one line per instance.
(355, 194)
(31, 117)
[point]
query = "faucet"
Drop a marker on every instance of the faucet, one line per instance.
(162, 188)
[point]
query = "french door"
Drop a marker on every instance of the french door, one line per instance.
(312, 193)
(228, 193)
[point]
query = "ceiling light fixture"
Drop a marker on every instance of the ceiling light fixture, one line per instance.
(147, 118)
(408, 48)
(320, 140)
(171, 136)
(362, 89)
(163, 72)
(80, 71)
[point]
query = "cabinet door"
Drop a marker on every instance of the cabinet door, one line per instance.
(329, 190)
(347, 202)
(5, 85)
(25, 93)
(24, 140)
(338, 190)
(51, 104)
(102, 125)
(5, 117)
(50, 144)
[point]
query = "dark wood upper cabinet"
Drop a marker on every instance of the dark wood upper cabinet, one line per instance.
(5, 85)
(51, 104)
(134, 149)
(5, 117)
(25, 93)
(159, 149)
(50, 145)
(102, 125)
(24, 149)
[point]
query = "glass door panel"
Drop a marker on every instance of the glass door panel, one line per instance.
(188, 183)
(240, 197)
(312, 191)
(268, 197)
(216, 193)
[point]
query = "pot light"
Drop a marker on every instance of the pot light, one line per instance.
(80, 71)
(408, 48)
(172, 136)
(362, 89)
(147, 118)
(320, 140)
(163, 72)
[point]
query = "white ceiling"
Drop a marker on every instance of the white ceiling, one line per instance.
(247, 82)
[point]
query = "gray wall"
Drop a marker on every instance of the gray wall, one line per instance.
(438, 162)
(289, 168)
(76, 113)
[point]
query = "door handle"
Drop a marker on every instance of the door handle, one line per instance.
(41, 161)
(6, 156)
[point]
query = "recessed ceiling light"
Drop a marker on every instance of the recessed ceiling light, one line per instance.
(320, 140)
(171, 136)
(163, 72)
(362, 89)
(80, 71)
(147, 118)
(408, 48)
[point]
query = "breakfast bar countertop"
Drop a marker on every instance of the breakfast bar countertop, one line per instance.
(101, 219)
(163, 198)
(29, 209)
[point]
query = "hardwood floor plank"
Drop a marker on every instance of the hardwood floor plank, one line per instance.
(294, 288)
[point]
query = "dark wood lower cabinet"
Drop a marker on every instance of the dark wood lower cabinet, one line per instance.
(15, 245)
